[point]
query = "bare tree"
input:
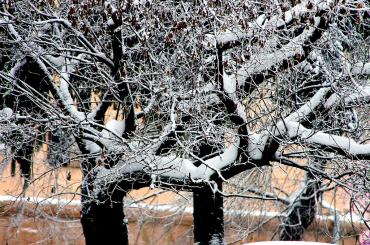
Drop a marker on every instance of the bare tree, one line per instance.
(202, 91)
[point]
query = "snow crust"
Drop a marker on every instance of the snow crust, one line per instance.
(6, 114)
(256, 145)
(170, 166)
(363, 93)
(361, 69)
(307, 108)
(229, 83)
(116, 127)
(295, 129)
(108, 136)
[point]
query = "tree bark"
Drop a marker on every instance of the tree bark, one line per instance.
(302, 213)
(102, 217)
(208, 216)
(103, 220)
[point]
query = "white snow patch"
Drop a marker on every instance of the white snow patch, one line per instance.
(229, 83)
(308, 107)
(332, 101)
(170, 166)
(92, 147)
(280, 23)
(110, 22)
(209, 41)
(29, 230)
(361, 69)
(294, 129)
(363, 93)
(260, 20)
(6, 114)
(288, 16)
(115, 126)
(40, 200)
(265, 61)
(256, 145)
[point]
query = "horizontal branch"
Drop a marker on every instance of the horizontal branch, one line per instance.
(172, 167)
(360, 96)
(340, 144)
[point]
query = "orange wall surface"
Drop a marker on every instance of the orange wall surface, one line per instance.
(20, 224)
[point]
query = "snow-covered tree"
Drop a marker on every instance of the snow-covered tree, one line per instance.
(201, 90)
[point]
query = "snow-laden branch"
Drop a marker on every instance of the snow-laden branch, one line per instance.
(235, 36)
(360, 68)
(6, 114)
(308, 107)
(263, 64)
(109, 138)
(362, 95)
(340, 144)
(62, 93)
(292, 128)
(172, 167)
(230, 87)
(98, 55)
(257, 141)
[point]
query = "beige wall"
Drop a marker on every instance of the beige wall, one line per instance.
(167, 228)
(28, 230)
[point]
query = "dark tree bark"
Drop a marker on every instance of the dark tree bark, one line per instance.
(302, 212)
(103, 220)
(24, 158)
(208, 216)
(102, 217)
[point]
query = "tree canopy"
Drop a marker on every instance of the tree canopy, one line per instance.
(201, 91)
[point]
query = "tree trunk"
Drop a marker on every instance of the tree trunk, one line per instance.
(302, 213)
(208, 216)
(103, 220)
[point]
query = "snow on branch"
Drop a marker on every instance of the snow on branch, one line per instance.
(62, 93)
(361, 68)
(308, 107)
(340, 144)
(257, 141)
(361, 95)
(6, 114)
(172, 167)
(291, 127)
(98, 55)
(229, 86)
(267, 64)
(109, 138)
(234, 36)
